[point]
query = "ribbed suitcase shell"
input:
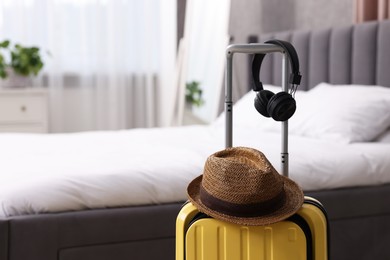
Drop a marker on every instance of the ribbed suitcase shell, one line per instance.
(211, 239)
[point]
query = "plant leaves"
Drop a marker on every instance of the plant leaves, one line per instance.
(4, 44)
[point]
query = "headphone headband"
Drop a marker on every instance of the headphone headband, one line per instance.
(295, 76)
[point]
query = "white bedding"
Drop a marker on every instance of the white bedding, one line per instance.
(49, 173)
(46, 173)
(61, 172)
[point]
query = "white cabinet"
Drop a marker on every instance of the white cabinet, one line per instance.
(24, 110)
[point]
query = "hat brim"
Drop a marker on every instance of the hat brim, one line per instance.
(293, 202)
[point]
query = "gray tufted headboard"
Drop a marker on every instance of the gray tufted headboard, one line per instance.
(358, 54)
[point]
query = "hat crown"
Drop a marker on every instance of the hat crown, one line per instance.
(241, 176)
(241, 186)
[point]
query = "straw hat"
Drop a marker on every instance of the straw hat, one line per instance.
(240, 185)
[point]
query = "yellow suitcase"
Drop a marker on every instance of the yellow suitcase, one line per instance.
(302, 236)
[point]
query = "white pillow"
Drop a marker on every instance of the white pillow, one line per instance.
(384, 137)
(246, 115)
(243, 112)
(343, 113)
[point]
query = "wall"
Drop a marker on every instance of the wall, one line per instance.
(259, 16)
(323, 13)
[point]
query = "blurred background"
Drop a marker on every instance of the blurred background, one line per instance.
(120, 64)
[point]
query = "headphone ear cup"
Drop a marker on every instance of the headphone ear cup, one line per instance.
(261, 101)
(281, 106)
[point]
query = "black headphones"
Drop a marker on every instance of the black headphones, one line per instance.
(280, 106)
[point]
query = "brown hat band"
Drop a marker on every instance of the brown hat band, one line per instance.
(242, 210)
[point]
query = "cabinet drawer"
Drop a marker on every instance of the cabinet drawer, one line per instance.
(23, 128)
(23, 108)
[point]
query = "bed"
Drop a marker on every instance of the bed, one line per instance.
(116, 195)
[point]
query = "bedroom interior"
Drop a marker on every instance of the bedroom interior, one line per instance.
(111, 187)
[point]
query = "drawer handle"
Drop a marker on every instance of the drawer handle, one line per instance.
(23, 108)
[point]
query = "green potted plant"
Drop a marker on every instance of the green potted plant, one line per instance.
(194, 94)
(23, 63)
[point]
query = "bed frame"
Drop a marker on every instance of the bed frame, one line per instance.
(359, 216)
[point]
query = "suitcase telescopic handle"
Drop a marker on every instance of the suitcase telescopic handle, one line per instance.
(254, 48)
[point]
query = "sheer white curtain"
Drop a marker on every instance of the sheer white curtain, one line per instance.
(203, 54)
(112, 61)
(207, 34)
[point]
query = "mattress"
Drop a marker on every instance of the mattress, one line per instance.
(64, 172)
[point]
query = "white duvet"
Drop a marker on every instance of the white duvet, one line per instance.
(60, 172)
(330, 146)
